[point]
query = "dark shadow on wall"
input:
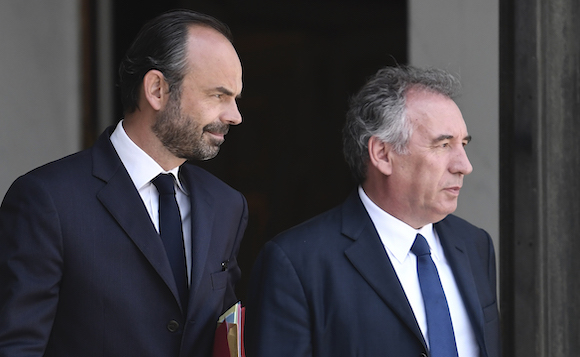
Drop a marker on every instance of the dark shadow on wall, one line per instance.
(302, 61)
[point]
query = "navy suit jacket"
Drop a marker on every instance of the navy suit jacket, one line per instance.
(326, 288)
(83, 271)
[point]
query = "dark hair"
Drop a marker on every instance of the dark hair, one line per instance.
(378, 109)
(161, 45)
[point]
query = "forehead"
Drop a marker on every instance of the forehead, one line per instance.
(206, 46)
(434, 113)
(211, 55)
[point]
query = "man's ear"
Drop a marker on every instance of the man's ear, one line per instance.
(155, 89)
(380, 154)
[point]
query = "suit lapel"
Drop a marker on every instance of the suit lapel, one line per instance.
(123, 202)
(453, 244)
(369, 257)
(202, 220)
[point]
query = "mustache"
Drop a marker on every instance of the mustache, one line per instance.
(217, 128)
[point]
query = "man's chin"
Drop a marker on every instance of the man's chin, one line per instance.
(202, 155)
(210, 155)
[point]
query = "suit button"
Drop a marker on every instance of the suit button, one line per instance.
(173, 326)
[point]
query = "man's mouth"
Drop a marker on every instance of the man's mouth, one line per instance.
(217, 130)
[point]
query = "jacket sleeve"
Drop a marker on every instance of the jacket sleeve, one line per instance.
(30, 268)
(277, 314)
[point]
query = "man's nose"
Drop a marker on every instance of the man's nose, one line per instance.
(232, 115)
(461, 162)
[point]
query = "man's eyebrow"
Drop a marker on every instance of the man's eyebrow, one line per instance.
(448, 137)
(442, 138)
(227, 92)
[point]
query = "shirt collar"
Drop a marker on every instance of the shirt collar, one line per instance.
(397, 236)
(140, 166)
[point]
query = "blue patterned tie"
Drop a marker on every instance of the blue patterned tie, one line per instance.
(171, 233)
(439, 327)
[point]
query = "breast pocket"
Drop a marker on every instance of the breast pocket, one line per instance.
(490, 312)
(219, 280)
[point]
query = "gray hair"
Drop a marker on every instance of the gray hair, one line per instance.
(379, 109)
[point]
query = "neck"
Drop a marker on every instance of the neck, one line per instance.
(388, 202)
(138, 129)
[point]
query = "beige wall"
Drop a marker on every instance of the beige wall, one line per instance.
(463, 36)
(40, 77)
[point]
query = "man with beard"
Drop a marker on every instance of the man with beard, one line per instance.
(125, 249)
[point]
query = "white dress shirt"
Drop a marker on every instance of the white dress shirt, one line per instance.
(142, 169)
(397, 238)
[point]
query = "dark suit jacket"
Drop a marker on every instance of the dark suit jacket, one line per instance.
(327, 288)
(83, 271)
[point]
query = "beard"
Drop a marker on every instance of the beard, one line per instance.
(182, 134)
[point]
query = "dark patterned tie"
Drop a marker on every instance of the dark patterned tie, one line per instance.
(439, 327)
(171, 233)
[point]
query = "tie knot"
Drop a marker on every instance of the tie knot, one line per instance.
(164, 184)
(420, 247)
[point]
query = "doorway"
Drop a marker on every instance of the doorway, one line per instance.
(302, 61)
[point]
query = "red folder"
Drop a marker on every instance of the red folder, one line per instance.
(229, 334)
